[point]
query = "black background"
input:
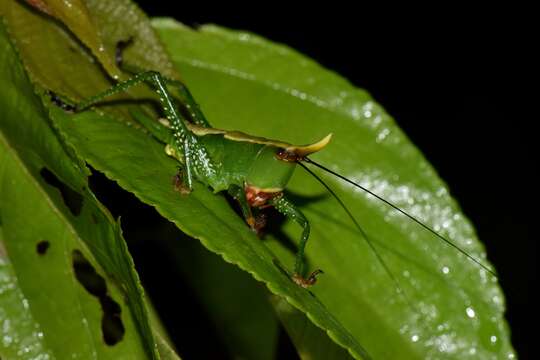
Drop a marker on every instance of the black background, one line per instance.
(453, 78)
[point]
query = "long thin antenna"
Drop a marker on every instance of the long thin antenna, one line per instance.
(448, 242)
(364, 235)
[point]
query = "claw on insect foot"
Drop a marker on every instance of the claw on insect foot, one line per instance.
(305, 283)
(257, 223)
(179, 185)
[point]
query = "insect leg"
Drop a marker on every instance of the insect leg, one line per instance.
(186, 99)
(196, 159)
(190, 104)
(179, 183)
(287, 208)
(239, 195)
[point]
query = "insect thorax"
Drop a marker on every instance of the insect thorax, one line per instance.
(245, 163)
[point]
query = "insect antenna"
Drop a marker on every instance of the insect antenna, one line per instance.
(395, 207)
(364, 235)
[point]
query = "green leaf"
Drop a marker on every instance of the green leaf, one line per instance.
(274, 92)
(247, 83)
(75, 15)
(57, 235)
(101, 139)
(237, 305)
(35, 33)
(310, 341)
(140, 165)
(20, 333)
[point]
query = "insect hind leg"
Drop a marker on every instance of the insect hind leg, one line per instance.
(187, 101)
(183, 139)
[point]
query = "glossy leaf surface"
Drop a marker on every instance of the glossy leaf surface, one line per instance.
(60, 241)
(246, 83)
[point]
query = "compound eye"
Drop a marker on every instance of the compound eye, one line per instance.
(286, 155)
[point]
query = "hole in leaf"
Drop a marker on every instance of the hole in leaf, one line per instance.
(42, 247)
(87, 275)
(71, 198)
(111, 322)
(192, 330)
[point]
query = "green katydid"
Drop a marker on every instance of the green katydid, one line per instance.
(253, 170)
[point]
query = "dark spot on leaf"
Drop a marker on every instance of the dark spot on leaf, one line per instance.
(87, 275)
(42, 247)
(72, 199)
(111, 322)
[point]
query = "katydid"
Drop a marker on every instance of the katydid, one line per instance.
(253, 170)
